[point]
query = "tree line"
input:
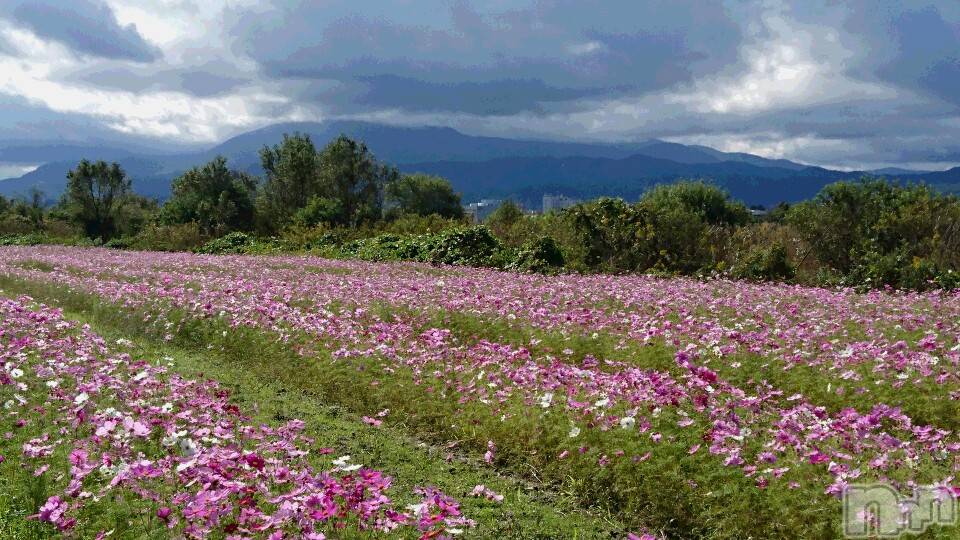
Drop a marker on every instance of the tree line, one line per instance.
(340, 201)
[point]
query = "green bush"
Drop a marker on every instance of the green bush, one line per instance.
(321, 237)
(899, 270)
(176, 237)
(120, 242)
(390, 247)
(874, 232)
(765, 263)
(417, 224)
(320, 211)
(234, 243)
(542, 255)
(611, 235)
(31, 239)
(472, 246)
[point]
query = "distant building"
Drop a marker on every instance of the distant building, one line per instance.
(557, 202)
(478, 212)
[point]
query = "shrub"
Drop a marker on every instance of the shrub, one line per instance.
(472, 246)
(769, 263)
(542, 255)
(234, 243)
(176, 237)
(121, 242)
(606, 233)
(417, 224)
(320, 211)
(709, 203)
(31, 239)
(15, 224)
(300, 238)
(390, 247)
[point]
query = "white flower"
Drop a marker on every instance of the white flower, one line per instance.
(188, 447)
(341, 464)
(81, 399)
(52, 384)
(417, 509)
(602, 402)
(628, 422)
(546, 399)
(16, 373)
(9, 404)
(574, 431)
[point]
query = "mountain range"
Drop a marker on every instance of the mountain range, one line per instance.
(478, 167)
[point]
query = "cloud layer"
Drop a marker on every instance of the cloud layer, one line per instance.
(853, 84)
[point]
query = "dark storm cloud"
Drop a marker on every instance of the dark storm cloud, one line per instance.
(457, 58)
(495, 97)
(88, 27)
(914, 45)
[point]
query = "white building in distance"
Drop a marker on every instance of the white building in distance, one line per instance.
(557, 202)
(480, 211)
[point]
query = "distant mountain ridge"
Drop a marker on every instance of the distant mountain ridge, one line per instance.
(477, 166)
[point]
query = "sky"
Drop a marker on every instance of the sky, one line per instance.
(848, 84)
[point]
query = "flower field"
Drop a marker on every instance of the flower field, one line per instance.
(669, 407)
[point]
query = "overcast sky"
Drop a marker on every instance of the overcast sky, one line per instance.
(855, 84)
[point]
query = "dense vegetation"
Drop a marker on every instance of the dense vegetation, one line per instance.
(340, 201)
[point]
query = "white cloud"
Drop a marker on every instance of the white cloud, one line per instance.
(33, 75)
(585, 48)
(14, 170)
(789, 64)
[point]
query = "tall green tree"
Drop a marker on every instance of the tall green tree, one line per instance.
(93, 197)
(292, 171)
(351, 174)
(218, 199)
(424, 195)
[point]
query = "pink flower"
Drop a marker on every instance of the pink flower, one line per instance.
(488, 455)
(483, 491)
